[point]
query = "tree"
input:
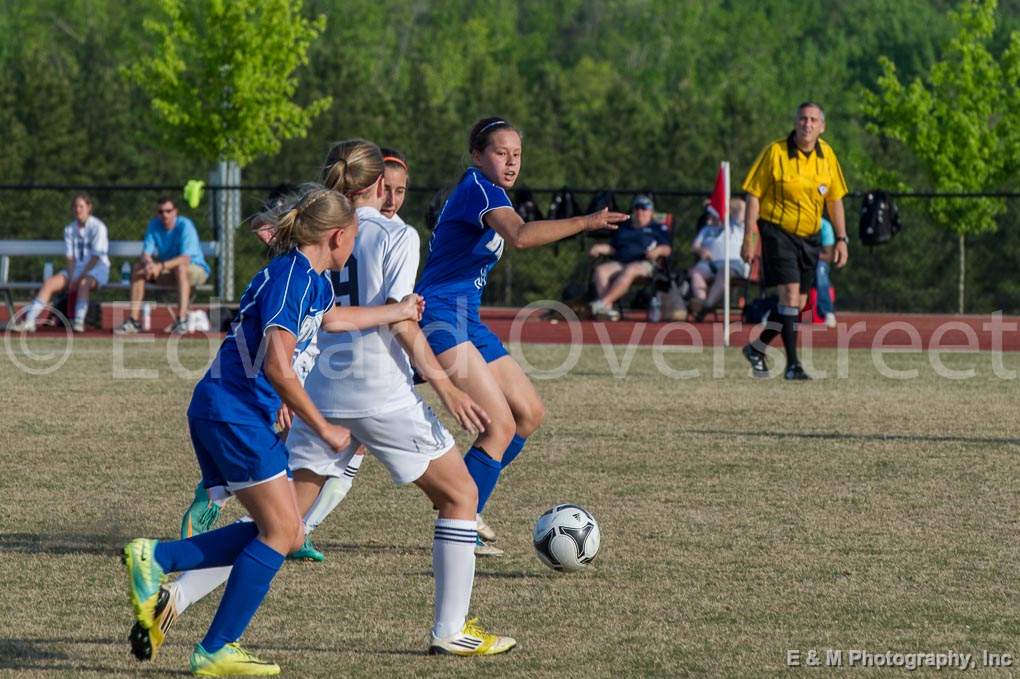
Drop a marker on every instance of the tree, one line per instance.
(222, 82)
(959, 121)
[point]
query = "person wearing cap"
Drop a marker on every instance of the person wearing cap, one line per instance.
(789, 185)
(635, 247)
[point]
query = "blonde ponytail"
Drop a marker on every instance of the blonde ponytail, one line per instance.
(305, 219)
(352, 166)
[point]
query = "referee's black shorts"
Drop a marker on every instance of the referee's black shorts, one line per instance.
(786, 258)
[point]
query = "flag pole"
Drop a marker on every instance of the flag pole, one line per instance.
(726, 253)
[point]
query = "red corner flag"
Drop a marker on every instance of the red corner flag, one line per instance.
(717, 203)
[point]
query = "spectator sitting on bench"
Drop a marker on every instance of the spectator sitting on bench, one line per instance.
(634, 249)
(88, 265)
(710, 248)
(171, 257)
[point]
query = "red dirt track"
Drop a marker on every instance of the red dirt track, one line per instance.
(855, 330)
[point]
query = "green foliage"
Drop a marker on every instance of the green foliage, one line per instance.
(222, 76)
(960, 119)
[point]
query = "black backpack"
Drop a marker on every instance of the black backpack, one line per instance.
(93, 315)
(525, 205)
(880, 219)
(563, 205)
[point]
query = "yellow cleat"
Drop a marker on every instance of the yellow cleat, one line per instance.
(146, 642)
(145, 576)
(472, 640)
(230, 661)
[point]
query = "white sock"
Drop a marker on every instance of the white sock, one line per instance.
(218, 495)
(453, 563)
(80, 309)
(191, 586)
(34, 309)
(332, 493)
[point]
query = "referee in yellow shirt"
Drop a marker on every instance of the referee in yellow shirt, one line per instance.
(793, 179)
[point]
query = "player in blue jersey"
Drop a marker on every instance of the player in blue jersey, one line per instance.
(476, 222)
(363, 382)
(231, 419)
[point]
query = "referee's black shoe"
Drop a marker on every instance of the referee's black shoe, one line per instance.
(759, 367)
(795, 372)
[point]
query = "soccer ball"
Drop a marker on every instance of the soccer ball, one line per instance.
(566, 538)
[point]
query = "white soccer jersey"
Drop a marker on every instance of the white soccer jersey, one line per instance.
(367, 373)
(81, 244)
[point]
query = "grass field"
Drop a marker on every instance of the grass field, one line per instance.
(740, 519)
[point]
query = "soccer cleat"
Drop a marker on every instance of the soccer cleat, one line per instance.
(307, 552)
(472, 640)
(128, 327)
(600, 311)
(146, 642)
(830, 320)
(145, 576)
(178, 327)
(483, 548)
(759, 366)
(22, 326)
(230, 661)
(200, 516)
(485, 531)
(78, 325)
(796, 373)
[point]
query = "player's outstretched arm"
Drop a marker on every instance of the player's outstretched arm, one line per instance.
(281, 375)
(350, 318)
(521, 234)
(469, 415)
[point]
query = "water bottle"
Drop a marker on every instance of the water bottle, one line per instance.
(47, 270)
(655, 310)
(147, 316)
(125, 273)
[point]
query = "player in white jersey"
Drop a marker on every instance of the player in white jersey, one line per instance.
(86, 245)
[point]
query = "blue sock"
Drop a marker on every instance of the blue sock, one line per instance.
(484, 470)
(218, 547)
(513, 450)
(247, 586)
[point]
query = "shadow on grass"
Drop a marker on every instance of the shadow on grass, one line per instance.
(837, 436)
(327, 546)
(70, 543)
(498, 575)
(38, 654)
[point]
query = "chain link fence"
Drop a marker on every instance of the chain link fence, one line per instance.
(917, 272)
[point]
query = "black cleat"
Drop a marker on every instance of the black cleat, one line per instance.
(759, 366)
(796, 372)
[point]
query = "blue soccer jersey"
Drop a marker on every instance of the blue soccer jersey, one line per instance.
(463, 249)
(288, 293)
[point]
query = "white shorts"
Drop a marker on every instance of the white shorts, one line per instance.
(101, 272)
(404, 440)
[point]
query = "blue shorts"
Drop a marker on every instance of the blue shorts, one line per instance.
(237, 455)
(445, 328)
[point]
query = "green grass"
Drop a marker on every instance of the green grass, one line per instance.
(739, 518)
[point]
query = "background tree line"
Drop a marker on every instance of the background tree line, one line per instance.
(608, 93)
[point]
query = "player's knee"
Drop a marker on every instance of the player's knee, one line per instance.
(498, 435)
(531, 418)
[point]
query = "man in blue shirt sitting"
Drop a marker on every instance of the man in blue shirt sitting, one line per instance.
(634, 249)
(171, 256)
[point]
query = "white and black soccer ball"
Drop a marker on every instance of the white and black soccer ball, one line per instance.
(566, 538)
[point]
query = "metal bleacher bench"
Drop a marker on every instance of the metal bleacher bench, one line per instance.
(56, 249)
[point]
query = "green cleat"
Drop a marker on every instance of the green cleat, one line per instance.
(230, 661)
(200, 516)
(145, 576)
(307, 552)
